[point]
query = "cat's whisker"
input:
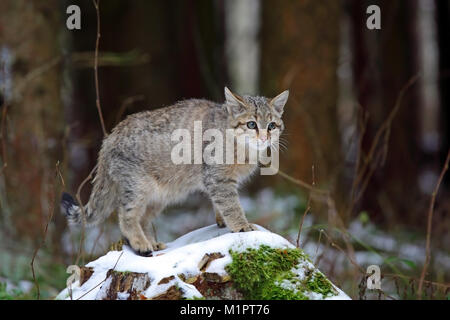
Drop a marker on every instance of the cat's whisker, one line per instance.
(283, 139)
(282, 144)
(276, 148)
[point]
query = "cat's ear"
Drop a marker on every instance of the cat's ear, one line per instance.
(235, 104)
(279, 101)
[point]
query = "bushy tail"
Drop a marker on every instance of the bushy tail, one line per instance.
(71, 209)
(99, 207)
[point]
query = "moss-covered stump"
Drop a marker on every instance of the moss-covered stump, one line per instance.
(209, 263)
(278, 274)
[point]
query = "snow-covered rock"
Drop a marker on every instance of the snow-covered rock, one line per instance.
(207, 263)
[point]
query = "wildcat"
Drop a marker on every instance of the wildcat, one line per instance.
(136, 177)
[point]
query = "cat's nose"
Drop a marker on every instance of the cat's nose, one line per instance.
(263, 138)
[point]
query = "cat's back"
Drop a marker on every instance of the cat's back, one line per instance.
(150, 131)
(180, 115)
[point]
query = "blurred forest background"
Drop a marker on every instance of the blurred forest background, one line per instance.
(367, 120)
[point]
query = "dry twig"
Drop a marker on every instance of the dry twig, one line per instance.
(52, 211)
(308, 208)
(83, 211)
(366, 170)
(3, 133)
(429, 226)
(99, 109)
(303, 184)
(117, 261)
(97, 90)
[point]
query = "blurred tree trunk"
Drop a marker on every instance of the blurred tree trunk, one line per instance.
(300, 51)
(29, 38)
(442, 227)
(384, 61)
(443, 16)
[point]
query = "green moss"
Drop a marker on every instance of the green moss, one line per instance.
(194, 298)
(276, 292)
(266, 273)
(122, 273)
(317, 282)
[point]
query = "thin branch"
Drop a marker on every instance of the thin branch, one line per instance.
(437, 284)
(303, 184)
(3, 133)
(97, 90)
(120, 256)
(364, 184)
(83, 211)
(366, 170)
(94, 246)
(317, 259)
(4, 106)
(308, 208)
(352, 261)
(429, 226)
(325, 197)
(387, 124)
(85, 59)
(34, 74)
(102, 122)
(52, 211)
(362, 121)
(126, 103)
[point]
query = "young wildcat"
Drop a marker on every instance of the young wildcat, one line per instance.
(136, 176)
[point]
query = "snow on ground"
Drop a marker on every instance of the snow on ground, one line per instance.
(180, 257)
(23, 286)
(380, 240)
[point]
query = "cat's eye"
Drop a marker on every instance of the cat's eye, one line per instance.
(251, 125)
(271, 126)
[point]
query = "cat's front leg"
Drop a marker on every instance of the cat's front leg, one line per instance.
(225, 198)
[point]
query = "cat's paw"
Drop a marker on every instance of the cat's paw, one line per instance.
(142, 247)
(221, 224)
(248, 228)
(160, 246)
(148, 253)
(245, 228)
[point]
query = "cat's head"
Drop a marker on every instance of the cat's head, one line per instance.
(259, 118)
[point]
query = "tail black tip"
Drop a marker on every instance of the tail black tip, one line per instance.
(67, 202)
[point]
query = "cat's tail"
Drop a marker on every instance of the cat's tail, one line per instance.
(101, 204)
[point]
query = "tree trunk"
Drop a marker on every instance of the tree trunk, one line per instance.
(30, 60)
(443, 13)
(300, 51)
(384, 61)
